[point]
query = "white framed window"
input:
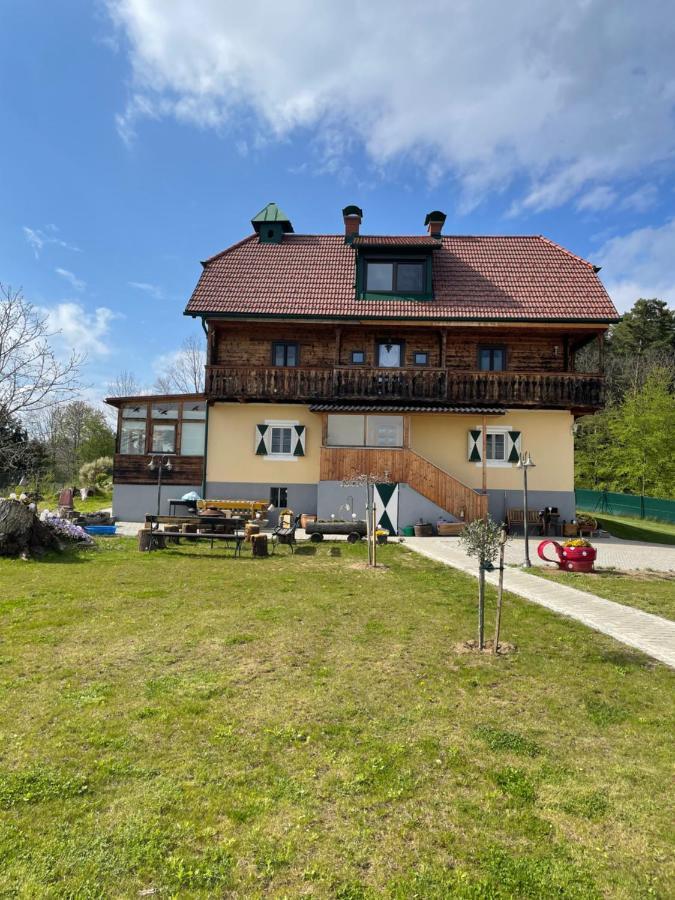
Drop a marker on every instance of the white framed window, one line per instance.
(495, 446)
(502, 446)
(280, 440)
(281, 437)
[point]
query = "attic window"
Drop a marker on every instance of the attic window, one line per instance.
(398, 276)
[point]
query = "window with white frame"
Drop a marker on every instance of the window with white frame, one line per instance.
(281, 437)
(495, 446)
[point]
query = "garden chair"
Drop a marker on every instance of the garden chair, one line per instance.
(284, 532)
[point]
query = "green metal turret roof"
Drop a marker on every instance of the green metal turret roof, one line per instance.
(271, 213)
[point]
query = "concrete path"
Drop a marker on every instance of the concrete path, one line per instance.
(652, 635)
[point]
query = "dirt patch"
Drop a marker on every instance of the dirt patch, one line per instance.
(364, 567)
(472, 647)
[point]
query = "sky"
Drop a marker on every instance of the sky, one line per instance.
(141, 136)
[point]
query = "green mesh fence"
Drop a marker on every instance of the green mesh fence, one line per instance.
(633, 505)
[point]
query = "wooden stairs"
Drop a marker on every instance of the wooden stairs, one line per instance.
(405, 467)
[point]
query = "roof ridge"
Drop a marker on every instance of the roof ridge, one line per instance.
(565, 250)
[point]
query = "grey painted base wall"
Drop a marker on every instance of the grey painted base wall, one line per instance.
(334, 498)
(132, 502)
(301, 497)
(500, 501)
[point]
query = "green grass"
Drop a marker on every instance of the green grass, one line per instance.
(295, 726)
(654, 592)
(637, 529)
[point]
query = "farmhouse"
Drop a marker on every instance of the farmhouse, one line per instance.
(436, 358)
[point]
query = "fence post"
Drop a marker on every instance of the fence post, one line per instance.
(642, 506)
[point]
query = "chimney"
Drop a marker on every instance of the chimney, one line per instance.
(434, 222)
(352, 216)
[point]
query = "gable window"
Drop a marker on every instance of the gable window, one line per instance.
(421, 358)
(395, 276)
(284, 353)
(358, 357)
(491, 359)
(390, 354)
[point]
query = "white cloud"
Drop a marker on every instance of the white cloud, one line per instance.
(642, 199)
(152, 289)
(80, 330)
(38, 238)
(597, 199)
(640, 264)
(559, 97)
(71, 278)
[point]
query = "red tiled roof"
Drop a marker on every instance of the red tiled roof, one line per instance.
(526, 277)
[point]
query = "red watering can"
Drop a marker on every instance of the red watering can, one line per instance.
(574, 559)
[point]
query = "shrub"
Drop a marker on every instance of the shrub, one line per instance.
(94, 474)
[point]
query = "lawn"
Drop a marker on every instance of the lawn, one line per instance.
(654, 592)
(637, 529)
(201, 726)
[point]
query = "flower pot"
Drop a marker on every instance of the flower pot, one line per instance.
(572, 559)
(424, 529)
(578, 559)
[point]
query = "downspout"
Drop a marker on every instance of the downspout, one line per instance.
(205, 329)
(206, 450)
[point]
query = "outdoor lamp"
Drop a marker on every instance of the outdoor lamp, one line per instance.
(525, 463)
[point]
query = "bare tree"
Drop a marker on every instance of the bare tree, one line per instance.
(186, 375)
(32, 377)
(124, 384)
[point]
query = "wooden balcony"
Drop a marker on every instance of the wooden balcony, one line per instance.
(565, 390)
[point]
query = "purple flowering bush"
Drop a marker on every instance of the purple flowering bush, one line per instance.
(65, 529)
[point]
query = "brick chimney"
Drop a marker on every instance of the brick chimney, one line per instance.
(434, 222)
(352, 216)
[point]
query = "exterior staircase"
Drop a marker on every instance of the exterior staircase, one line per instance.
(404, 466)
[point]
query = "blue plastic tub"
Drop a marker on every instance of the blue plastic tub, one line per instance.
(100, 529)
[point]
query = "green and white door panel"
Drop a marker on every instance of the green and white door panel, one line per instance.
(386, 507)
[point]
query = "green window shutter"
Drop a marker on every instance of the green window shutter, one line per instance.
(513, 454)
(475, 445)
(261, 435)
(299, 440)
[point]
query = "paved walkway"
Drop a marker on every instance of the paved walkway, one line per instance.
(652, 635)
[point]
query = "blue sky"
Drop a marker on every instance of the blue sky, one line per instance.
(140, 136)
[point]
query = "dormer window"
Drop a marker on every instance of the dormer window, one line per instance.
(398, 276)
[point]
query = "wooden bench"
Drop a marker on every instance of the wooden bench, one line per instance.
(515, 518)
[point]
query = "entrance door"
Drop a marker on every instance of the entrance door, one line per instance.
(386, 507)
(390, 355)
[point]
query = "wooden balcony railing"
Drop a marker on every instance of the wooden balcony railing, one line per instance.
(552, 389)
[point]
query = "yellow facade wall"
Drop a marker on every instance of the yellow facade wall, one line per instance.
(231, 444)
(443, 439)
(547, 434)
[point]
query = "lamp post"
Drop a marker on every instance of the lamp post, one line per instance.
(525, 463)
(159, 462)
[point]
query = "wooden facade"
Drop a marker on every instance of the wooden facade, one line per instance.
(337, 362)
